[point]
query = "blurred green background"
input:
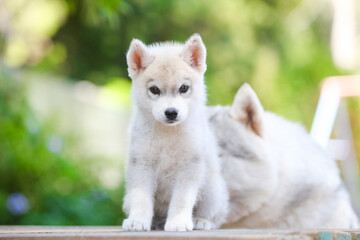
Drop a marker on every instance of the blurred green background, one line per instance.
(64, 89)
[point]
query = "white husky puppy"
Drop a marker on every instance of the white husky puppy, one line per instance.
(173, 173)
(276, 174)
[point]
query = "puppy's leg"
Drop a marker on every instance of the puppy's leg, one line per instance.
(138, 202)
(183, 200)
(212, 208)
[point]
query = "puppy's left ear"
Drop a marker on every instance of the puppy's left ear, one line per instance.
(194, 53)
(247, 109)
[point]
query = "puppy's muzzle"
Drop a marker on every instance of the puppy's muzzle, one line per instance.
(171, 114)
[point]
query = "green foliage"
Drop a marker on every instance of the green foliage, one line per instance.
(247, 41)
(97, 207)
(59, 187)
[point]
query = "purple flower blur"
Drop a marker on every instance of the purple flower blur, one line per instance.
(17, 204)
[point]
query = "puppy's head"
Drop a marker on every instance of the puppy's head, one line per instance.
(168, 78)
(239, 128)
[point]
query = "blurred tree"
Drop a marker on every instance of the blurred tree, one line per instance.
(37, 164)
(259, 42)
(276, 46)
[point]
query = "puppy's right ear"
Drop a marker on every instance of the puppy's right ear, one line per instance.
(247, 109)
(138, 58)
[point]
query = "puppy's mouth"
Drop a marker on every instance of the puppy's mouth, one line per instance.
(172, 122)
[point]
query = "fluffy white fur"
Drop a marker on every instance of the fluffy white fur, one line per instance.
(173, 173)
(277, 176)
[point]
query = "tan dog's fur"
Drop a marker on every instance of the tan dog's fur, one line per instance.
(277, 176)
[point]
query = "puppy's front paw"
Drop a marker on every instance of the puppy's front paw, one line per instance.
(179, 225)
(135, 225)
(202, 224)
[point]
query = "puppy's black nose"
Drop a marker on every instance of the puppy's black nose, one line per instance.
(171, 113)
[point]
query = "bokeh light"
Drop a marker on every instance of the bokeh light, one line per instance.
(17, 204)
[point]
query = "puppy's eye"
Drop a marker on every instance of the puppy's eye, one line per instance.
(154, 90)
(183, 89)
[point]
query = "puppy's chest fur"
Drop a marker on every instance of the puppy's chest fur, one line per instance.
(167, 151)
(167, 154)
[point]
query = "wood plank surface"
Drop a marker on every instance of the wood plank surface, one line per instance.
(113, 233)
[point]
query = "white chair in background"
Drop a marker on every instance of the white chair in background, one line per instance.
(331, 114)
